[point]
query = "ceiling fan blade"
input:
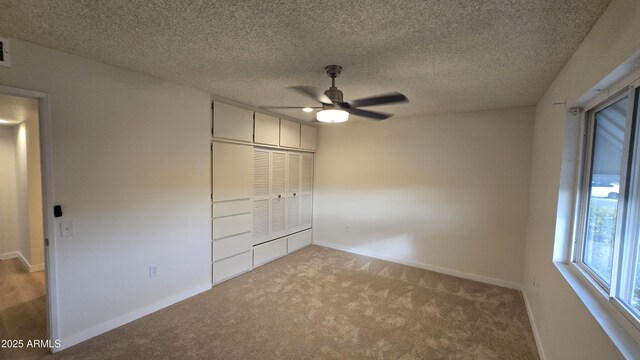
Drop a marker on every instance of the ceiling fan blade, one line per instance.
(378, 100)
(290, 107)
(313, 93)
(368, 114)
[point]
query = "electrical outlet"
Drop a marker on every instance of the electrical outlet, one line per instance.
(153, 271)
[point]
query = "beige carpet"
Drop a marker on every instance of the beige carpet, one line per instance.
(22, 308)
(320, 303)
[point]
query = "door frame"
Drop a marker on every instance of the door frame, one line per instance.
(46, 171)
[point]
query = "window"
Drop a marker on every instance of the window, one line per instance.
(607, 239)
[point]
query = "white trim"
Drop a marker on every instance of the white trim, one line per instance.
(46, 161)
(620, 324)
(438, 269)
(234, 275)
(23, 260)
(10, 255)
(36, 267)
(534, 327)
(27, 264)
(77, 338)
(618, 328)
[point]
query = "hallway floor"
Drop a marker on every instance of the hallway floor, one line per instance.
(22, 308)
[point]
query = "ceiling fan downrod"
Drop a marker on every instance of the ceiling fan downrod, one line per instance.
(333, 71)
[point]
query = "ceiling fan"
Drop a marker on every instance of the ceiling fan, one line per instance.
(334, 109)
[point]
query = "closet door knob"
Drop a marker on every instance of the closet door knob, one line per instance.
(279, 196)
(294, 194)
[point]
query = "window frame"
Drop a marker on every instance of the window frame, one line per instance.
(631, 150)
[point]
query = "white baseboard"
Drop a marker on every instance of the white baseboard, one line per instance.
(37, 267)
(87, 334)
(438, 269)
(23, 260)
(10, 255)
(28, 266)
(534, 327)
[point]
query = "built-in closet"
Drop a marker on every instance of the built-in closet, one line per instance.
(262, 189)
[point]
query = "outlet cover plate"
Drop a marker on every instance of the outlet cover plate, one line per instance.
(66, 228)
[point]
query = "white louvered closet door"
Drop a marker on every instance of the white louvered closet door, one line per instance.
(293, 192)
(278, 194)
(261, 195)
(306, 191)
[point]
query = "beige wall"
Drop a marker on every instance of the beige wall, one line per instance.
(448, 192)
(34, 189)
(17, 189)
(27, 212)
(131, 170)
(565, 326)
(9, 227)
(22, 191)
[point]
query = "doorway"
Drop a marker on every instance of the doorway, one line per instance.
(24, 318)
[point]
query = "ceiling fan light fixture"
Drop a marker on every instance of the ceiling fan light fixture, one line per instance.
(332, 116)
(307, 109)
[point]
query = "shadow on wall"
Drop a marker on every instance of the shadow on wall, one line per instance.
(460, 231)
(447, 191)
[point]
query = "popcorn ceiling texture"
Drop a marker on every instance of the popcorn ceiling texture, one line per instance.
(444, 55)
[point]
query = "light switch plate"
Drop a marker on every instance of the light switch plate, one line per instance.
(66, 228)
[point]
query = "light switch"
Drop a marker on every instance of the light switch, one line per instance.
(66, 228)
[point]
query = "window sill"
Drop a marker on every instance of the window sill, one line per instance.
(621, 331)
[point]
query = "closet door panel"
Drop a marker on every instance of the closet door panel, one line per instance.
(231, 246)
(293, 214)
(261, 221)
(232, 168)
(278, 217)
(230, 122)
(289, 134)
(294, 173)
(293, 192)
(278, 173)
(306, 191)
(231, 225)
(306, 210)
(308, 137)
(232, 181)
(270, 251)
(307, 173)
(278, 193)
(235, 207)
(261, 173)
(261, 195)
(230, 267)
(298, 241)
(266, 130)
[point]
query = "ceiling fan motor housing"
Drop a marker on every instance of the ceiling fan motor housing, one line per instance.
(334, 94)
(333, 71)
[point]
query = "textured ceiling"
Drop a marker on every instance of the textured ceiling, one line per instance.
(444, 55)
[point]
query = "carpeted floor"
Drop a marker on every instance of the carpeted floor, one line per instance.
(320, 303)
(22, 308)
